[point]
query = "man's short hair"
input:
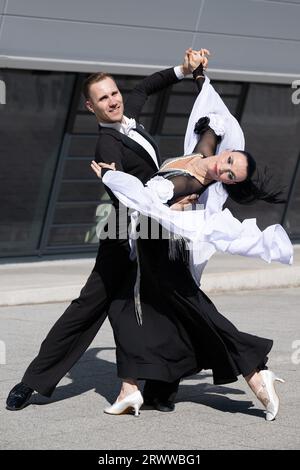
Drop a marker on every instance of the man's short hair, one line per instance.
(93, 78)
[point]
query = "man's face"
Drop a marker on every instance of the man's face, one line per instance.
(106, 101)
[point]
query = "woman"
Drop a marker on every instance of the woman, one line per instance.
(180, 331)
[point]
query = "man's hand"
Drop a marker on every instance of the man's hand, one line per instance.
(185, 65)
(192, 59)
(97, 167)
(195, 58)
(182, 203)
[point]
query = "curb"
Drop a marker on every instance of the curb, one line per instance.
(251, 280)
(213, 282)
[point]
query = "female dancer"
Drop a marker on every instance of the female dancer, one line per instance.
(179, 331)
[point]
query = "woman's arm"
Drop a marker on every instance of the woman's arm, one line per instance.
(199, 77)
(207, 143)
(178, 204)
(208, 140)
(198, 63)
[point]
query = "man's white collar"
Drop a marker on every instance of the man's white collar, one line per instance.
(124, 127)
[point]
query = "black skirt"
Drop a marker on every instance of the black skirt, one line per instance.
(182, 331)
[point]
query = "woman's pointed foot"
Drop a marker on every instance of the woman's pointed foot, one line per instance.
(267, 393)
(132, 402)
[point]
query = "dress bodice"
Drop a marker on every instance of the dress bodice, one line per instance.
(185, 183)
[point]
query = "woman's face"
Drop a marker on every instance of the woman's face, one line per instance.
(229, 167)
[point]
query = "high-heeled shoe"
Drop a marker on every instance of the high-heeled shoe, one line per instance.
(268, 395)
(132, 402)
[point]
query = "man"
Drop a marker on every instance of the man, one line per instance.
(133, 150)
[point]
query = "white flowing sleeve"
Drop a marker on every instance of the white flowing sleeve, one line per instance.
(209, 103)
(217, 123)
(212, 229)
(161, 187)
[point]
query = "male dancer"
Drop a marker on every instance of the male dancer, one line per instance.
(123, 141)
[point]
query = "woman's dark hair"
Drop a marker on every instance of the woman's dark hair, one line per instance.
(254, 188)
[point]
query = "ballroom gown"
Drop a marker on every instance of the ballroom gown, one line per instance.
(165, 326)
(181, 331)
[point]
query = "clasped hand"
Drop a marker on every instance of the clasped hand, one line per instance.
(193, 59)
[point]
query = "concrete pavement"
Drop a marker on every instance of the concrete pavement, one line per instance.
(206, 416)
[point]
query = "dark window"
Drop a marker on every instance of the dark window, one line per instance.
(51, 202)
(31, 127)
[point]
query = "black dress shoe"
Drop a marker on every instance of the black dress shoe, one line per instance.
(165, 406)
(160, 395)
(18, 397)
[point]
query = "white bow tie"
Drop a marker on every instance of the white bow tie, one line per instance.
(128, 125)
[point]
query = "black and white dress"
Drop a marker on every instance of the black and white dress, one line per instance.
(180, 331)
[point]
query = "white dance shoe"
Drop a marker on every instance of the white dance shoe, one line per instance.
(132, 402)
(267, 394)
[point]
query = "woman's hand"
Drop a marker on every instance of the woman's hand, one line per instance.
(195, 58)
(97, 167)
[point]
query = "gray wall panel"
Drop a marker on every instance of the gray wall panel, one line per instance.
(80, 41)
(251, 18)
(281, 1)
(251, 54)
(2, 4)
(254, 37)
(175, 14)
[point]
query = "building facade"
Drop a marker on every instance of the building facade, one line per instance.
(50, 201)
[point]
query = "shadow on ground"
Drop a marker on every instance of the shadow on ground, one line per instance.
(93, 372)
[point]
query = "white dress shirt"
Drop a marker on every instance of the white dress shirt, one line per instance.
(128, 127)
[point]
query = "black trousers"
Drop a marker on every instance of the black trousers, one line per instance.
(72, 334)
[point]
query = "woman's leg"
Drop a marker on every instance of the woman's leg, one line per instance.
(256, 383)
(128, 386)
(262, 384)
